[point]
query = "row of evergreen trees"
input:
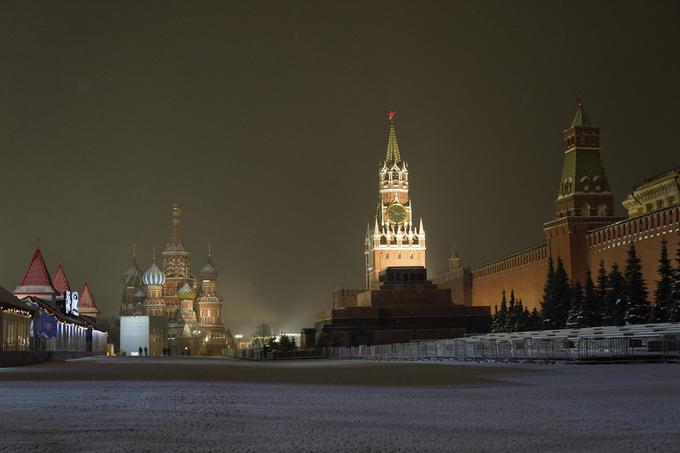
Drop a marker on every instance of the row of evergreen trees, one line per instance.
(614, 298)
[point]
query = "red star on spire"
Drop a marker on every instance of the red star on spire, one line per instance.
(392, 113)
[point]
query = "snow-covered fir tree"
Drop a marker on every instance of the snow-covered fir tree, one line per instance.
(637, 307)
(664, 286)
(590, 310)
(575, 316)
(601, 295)
(674, 308)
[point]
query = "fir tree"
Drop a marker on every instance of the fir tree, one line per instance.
(522, 317)
(502, 315)
(664, 286)
(637, 307)
(548, 300)
(535, 322)
(575, 315)
(674, 308)
(494, 319)
(556, 297)
(511, 320)
(615, 301)
(601, 296)
(562, 296)
(591, 310)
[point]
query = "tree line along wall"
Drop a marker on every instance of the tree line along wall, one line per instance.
(611, 243)
(524, 273)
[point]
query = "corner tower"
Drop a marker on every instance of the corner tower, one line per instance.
(395, 239)
(584, 200)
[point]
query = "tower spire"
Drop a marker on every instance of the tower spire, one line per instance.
(134, 250)
(454, 252)
(392, 154)
(580, 118)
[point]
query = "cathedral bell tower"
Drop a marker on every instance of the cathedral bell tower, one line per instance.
(394, 240)
(176, 262)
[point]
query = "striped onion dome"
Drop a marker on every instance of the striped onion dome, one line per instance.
(132, 278)
(154, 276)
(208, 272)
(186, 292)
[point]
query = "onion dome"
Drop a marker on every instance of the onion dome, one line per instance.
(208, 271)
(140, 295)
(132, 277)
(186, 292)
(153, 276)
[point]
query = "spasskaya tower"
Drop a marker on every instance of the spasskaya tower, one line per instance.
(395, 239)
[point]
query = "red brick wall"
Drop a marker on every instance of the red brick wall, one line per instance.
(646, 232)
(523, 272)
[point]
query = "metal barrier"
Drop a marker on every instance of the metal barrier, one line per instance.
(631, 348)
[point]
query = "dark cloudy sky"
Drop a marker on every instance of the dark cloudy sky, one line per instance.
(266, 120)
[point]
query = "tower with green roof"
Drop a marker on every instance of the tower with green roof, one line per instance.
(584, 187)
(584, 199)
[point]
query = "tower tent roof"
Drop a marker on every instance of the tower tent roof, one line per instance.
(392, 154)
(36, 279)
(60, 281)
(86, 303)
(580, 118)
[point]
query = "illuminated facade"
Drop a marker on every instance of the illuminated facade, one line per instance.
(395, 239)
(190, 308)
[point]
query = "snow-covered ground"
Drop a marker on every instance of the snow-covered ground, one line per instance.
(520, 408)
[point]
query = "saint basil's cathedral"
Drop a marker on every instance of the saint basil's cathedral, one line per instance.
(191, 308)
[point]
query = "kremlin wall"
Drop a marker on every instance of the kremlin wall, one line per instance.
(584, 230)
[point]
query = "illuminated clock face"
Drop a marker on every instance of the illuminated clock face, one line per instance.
(396, 213)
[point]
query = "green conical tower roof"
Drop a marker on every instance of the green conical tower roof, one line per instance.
(580, 118)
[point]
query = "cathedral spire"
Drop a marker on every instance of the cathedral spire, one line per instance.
(176, 225)
(392, 155)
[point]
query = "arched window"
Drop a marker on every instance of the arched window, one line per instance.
(597, 184)
(602, 210)
(383, 240)
(415, 240)
(585, 184)
(585, 210)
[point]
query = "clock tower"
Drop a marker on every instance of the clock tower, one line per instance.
(395, 239)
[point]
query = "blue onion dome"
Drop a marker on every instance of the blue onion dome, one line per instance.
(186, 292)
(208, 271)
(154, 276)
(132, 278)
(140, 295)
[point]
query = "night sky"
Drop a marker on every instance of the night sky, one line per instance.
(266, 120)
